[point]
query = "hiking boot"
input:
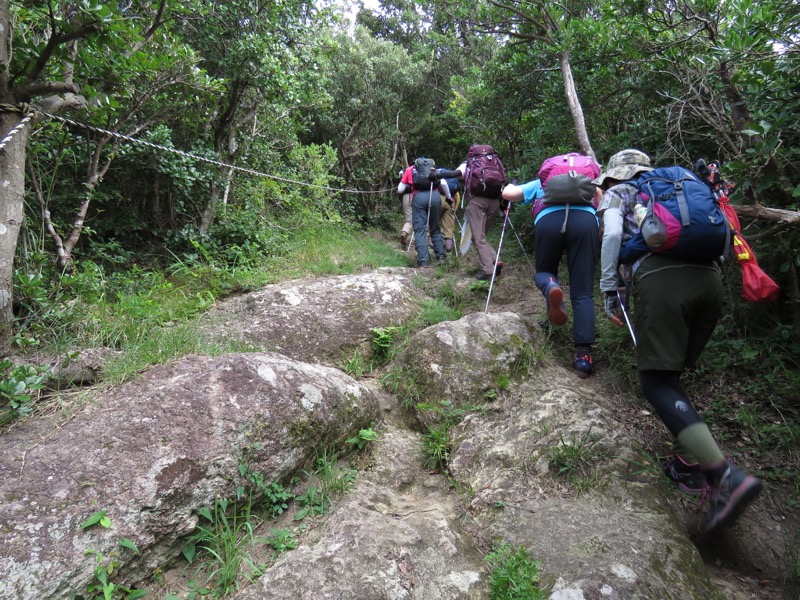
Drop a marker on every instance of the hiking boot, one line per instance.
(556, 312)
(404, 239)
(730, 494)
(582, 364)
(688, 477)
(448, 244)
(484, 277)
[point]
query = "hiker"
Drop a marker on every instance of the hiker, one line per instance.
(447, 220)
(426, 208)
(678, 304)
(558, 228)
(405, 199)
(484, 177)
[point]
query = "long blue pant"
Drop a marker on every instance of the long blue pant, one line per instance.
(580, 240)
(427, 203)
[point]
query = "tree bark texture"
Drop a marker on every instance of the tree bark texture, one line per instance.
(12, 191)
(575, 106)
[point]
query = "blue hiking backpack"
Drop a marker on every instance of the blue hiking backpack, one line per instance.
(683, 218)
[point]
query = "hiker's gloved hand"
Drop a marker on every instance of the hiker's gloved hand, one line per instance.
(613, 309)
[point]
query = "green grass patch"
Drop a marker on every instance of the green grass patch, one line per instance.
(515, 574)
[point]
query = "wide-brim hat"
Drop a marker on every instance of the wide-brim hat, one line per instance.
(625, 165)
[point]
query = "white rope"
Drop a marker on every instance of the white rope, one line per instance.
(19, 127)
(203, 158)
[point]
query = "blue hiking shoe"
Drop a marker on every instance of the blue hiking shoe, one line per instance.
(582, 364)
(556, 312)
(688, 477)
(730, 494)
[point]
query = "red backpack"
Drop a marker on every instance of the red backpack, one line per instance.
(486, 175)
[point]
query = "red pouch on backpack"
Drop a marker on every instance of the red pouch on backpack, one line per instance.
(757, 286)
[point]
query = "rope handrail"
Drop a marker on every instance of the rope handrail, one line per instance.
(32, 111)
(22, 109)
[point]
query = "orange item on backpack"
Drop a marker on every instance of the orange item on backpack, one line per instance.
(757, 286)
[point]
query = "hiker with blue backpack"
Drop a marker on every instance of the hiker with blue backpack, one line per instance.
(564, 199)
(664, 227)
(426, 207)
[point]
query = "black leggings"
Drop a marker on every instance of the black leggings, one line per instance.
(665, 394)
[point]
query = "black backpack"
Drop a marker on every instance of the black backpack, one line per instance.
(421, 174)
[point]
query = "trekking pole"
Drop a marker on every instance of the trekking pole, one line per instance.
(521, 247)
(429, 237)
(627, 318)
(497, 258)
(460, 228)
(411, 237)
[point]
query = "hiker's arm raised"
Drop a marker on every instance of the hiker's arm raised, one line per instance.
(446, 174)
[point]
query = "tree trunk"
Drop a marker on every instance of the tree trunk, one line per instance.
(575, 106)
(12, 191)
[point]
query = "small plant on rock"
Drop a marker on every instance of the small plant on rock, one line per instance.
(436, 445)
(382, 341)
(364, 437)
(515, 574)
(576, 458)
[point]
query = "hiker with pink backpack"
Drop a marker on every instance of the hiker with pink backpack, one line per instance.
(668, 230)
(564, 201)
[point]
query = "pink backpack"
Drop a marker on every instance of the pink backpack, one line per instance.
(570, 179)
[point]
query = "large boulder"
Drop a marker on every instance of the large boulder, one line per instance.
(465, 364)
(153, 452)
(317, 320)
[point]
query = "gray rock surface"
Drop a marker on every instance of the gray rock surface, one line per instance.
(153, 452)
(321, 320)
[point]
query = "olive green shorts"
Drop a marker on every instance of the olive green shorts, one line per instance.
(676, 306)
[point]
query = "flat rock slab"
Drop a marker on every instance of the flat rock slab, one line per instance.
(318, 320)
